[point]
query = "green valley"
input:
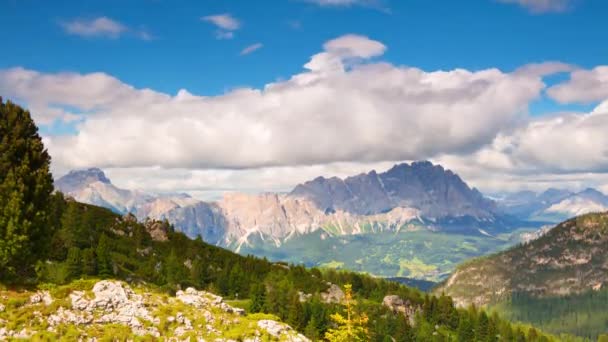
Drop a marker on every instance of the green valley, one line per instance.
(421, 254)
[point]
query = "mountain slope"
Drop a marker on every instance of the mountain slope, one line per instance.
(557, 282)
(569, 259)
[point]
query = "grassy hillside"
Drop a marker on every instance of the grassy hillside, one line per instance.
(550, 281)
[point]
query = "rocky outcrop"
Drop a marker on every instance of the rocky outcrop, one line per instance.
(189, 314)
(397, 305)
(113, 303)
(333, 294)
(202, 299)
(281, 331)
(158, 230)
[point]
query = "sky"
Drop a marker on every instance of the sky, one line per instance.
(211, 96)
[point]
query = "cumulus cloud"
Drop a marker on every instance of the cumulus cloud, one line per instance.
(101, 27)
(368, 112)
(569, 149)
(251, 48)
(542, 6)
(584, 86)
(343, 109)
(225, 23)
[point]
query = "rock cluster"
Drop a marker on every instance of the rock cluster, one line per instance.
(113, 303)
(397, 304)
(281, 331)
(202, 299)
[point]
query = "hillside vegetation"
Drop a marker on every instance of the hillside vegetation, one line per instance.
(556, 281)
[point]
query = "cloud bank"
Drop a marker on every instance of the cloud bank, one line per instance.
(344, 113)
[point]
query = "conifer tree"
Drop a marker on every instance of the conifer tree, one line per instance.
(89, 266)
(25, 188)
(104, 260)
(258, 298)
(295, 314)
(349, 328)
(74, 262)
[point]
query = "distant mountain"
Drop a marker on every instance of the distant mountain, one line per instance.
(434, 191)
(552, 205)
(559, 281)
(420, 196)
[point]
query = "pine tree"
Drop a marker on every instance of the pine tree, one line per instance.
(312, 329)
(104, 260)
(351, 328)
(258, 298)
(295, 314)
(25, 189)
(89, 264)
(74, 262)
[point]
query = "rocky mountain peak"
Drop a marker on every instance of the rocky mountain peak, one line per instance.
(76, 179)
(435, 191)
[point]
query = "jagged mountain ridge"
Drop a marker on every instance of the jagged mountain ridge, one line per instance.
(420, 192)
(436, 192)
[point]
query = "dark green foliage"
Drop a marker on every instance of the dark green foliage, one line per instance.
(258, 298)
(584, 315)
(25, 189)
(89, 264)
(104, 260)
(74, 262)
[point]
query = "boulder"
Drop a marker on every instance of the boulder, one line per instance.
(334, 294)
(281, 331)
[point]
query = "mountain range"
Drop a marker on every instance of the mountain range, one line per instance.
(371, 202)
(414, 220)
(552, 205)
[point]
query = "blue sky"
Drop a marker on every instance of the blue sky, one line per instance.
(184, 53)
(258, 95)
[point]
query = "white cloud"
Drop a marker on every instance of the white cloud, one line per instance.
(251, 48)
(225, 23)
(346, 3)
(584, 86)
(343, 109)
(569, 149)
(352, 45)
(101, 27)
(542, 6)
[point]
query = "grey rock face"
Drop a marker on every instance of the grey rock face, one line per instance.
(434, 191)
(77, 179)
